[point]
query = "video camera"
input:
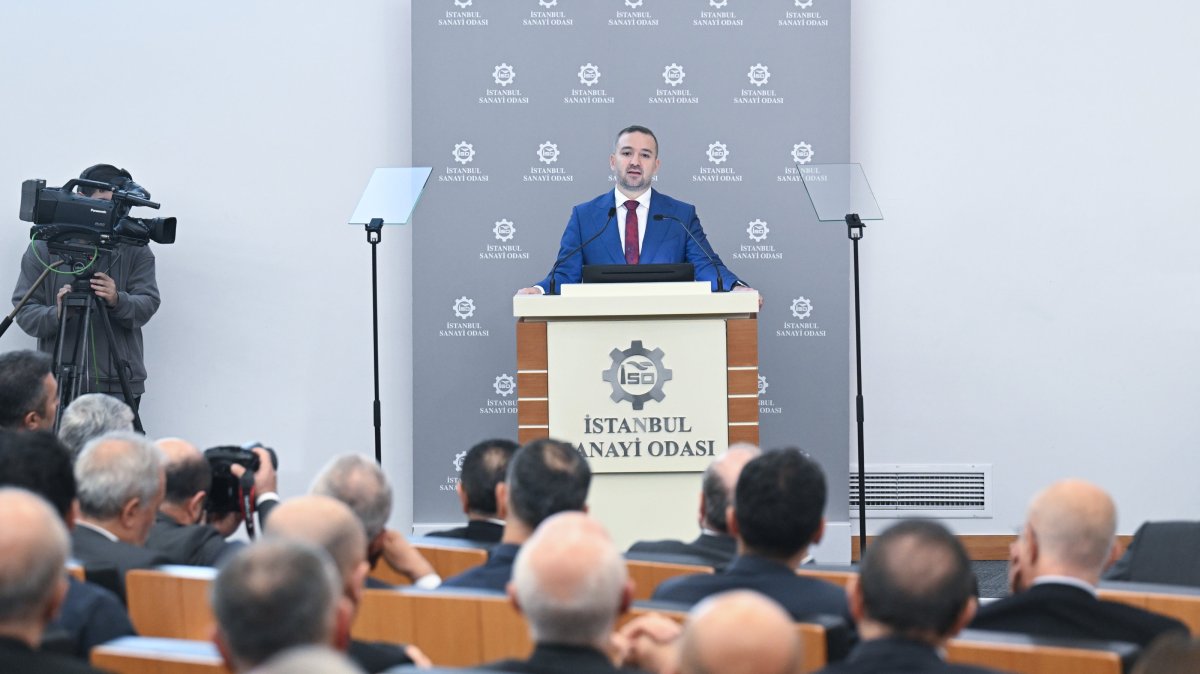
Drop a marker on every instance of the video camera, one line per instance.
(60, 216)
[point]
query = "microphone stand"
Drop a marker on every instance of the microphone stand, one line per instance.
(716, 267)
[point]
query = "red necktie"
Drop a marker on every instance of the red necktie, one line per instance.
(631, 232)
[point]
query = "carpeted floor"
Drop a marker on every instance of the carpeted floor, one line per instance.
(993, 578)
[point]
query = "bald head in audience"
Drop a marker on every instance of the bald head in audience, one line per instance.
(189, 477)
(739, 632)
(359, 483)
(570, 582)
(1070, 530)
(275, 595)
(330, 525)
(33, 548)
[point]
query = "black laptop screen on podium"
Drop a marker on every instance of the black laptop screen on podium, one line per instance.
(638, 273)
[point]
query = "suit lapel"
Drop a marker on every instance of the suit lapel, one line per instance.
(611, 238)
(655, 231)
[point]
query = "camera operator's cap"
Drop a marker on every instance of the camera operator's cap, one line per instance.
(106, 173)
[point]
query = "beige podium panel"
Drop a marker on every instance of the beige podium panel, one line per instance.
(649, 382)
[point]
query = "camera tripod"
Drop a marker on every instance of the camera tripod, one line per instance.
(71, 372)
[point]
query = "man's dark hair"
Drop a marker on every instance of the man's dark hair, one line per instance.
(637, 128)
(779, 502)
(482, 469)
(187, 477)
(546, 477)
(37, 461)
(916, 578)
(22, 387)
(105, 173)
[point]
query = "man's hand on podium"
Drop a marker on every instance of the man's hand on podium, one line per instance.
(748, 289)
(532, 290)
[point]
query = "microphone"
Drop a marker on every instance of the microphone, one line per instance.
(612, 212)
(659, 217)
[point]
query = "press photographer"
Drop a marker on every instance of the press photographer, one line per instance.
(87, 245)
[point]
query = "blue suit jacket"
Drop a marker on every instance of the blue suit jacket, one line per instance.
(665, 242)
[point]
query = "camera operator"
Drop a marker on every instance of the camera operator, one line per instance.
(184, 530)
(123, 279)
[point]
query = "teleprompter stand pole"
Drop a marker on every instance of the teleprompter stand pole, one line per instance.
(374, 236)
(854, 228)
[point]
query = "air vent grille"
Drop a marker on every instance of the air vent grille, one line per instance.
(951, 490)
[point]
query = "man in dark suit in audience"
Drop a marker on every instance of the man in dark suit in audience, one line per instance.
(179, 531)
(570, 583)
(275, 595)
(90, 615)
(361, 484)
(483, 468)
(33, 549)
(121, 482)
(28, 391)
(915, 590)
(330, 525)
(715, 547)
(777, 512)
(545, 477)
(1161, 552)
(1069, 537)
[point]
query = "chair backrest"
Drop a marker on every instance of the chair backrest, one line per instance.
(147, 655)
(647, 575)
(449, 557)
(839, 576)
(75, 569)
(171, 601)
(453, 628)
(1179, 602)
(1023, 654)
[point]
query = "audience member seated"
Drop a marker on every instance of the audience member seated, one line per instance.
(121, 482)
(570, 583)
(33, 549)
(90, 614)
(714, 547)
(777, 512)
(178, 531)
(545, 477)
(736, 632)
(361, 484)
(1054, 566)
(275, 595)
(915, 590)
(1161, 552)
(329, 524)
(90, 416)
(28, 391)
(482, 469)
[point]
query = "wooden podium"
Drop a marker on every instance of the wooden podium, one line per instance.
(649, 381)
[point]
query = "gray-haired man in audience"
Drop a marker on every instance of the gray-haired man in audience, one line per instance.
(275, 595)
(360, 483)
(330, 525)
(121, 483)
(90, 416)
(715, 546)
(570, 583)
(33, 548)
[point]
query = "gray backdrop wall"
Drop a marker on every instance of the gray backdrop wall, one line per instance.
(516, 106)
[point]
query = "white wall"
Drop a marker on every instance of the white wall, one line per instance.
(257, 124)
(1031, 299)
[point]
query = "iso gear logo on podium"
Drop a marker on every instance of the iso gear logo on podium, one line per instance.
(637, 374)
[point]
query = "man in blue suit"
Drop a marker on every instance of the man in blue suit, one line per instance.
(649, 224)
